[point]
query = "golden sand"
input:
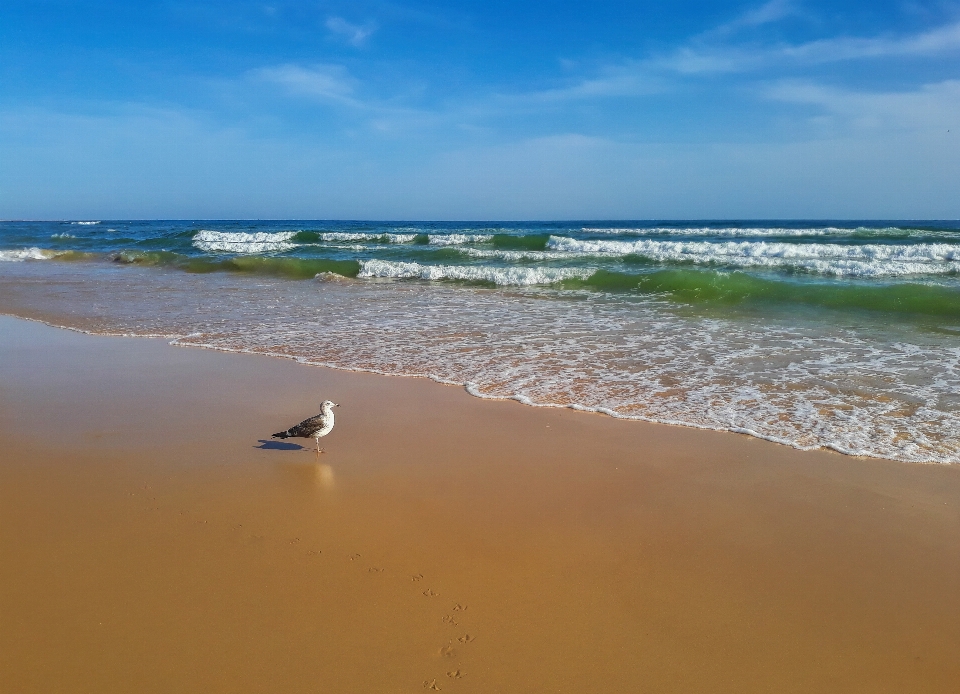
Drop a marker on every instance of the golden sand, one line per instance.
(150, 542)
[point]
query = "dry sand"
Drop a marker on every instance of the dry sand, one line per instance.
(150, 543)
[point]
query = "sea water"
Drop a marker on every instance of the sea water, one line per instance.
(813, 334)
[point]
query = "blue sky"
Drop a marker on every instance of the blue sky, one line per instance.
(480, 110)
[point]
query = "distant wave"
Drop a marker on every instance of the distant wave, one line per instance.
(360, 237)
(747, 231)
(457, 239)
(868, 260)
(353, 237)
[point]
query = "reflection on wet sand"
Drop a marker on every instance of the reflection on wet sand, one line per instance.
(323, 475)
(308, 474)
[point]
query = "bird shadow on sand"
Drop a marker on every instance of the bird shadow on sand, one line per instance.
(266, 445)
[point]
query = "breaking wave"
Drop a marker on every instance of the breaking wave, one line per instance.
(500, 276)
(241, 242)
(27, 254)
(753, 231)
(867, 260)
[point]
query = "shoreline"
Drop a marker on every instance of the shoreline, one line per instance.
(472, 390)
(158, 540)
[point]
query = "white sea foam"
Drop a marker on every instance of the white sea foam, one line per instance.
(63, 236)
(85, 223)
(432, 239)
(458, 239)
(738, 231)
(502, 276)
(241, 242)
(867, 260)
(27, 254)
(355, 237)
(515, 256)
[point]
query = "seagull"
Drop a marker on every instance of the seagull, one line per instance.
(312, 428)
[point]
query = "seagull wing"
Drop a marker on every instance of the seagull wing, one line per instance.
(306, 428)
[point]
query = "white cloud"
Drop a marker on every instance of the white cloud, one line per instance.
(770, 12)
(325, 82)
(628, 79)
(700, 58)
(353, 34)
(932, 107)
(773, 11)
(940, 40)
(713, 53)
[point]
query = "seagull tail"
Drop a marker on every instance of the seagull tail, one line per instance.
(282, 435)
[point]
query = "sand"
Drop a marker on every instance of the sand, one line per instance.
(152, 542)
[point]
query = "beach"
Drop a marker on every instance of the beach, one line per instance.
(156, 539)
(632, 332)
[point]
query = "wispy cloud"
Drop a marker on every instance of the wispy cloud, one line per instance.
(768, 13)
(324, 82)
(354, 34)
(333, 85)
(717, 57)
(628, 79)
(932, 106)
(719, 52)
(940, 40)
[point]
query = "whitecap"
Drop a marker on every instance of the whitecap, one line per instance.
(501, 276)
(458, 239)
(867, 260)
(27, 254)
(353, 237)
(737, 231)
(241, 242)
(432, 239)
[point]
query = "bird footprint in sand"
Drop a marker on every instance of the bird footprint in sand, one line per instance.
(466, 638)
(430, 594)
(455, 674)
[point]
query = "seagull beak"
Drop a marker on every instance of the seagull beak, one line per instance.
(337, 405)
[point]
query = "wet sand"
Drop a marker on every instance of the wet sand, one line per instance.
(151, 542)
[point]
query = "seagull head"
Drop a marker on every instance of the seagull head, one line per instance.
(328, 404)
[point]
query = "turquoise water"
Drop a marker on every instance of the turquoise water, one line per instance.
(813, 334)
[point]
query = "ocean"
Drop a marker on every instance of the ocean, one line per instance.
(825, 334)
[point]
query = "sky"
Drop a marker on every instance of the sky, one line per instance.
(491, 110)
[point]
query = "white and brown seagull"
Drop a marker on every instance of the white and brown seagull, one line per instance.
(312, 428)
